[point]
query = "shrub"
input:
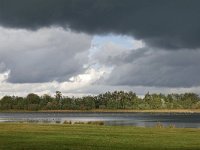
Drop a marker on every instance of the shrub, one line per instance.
(67, 122)
(96, 122)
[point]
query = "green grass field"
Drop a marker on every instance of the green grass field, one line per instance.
(46, 136)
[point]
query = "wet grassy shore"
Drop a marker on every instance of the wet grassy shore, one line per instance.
(116, 110)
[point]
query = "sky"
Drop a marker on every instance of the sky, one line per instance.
(94, 46)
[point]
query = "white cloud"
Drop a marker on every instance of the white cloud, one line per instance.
(72, 87)
(137, 44)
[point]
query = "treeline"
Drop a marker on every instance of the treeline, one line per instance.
(108, 100)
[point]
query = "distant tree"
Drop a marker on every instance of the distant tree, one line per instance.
(33, 101)
(6, 103)
(58, 95)
(67, 103)
(88, 102)
(18, 103)
(59, 99)
(44, 101)
(108, 100)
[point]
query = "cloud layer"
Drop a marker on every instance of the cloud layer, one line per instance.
(160, 23)
(49, 54)
(146, 67)
(48, 45)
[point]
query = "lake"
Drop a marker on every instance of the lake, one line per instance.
(179, 120)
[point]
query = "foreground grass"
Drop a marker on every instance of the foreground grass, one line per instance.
(45, 136)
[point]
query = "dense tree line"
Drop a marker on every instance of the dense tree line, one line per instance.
(108, 100)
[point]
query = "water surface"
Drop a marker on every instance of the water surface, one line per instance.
(180, 120)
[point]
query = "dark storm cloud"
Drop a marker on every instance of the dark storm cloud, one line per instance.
(146, 67)
(160, 23)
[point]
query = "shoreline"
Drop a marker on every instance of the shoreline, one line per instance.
(110, 111)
